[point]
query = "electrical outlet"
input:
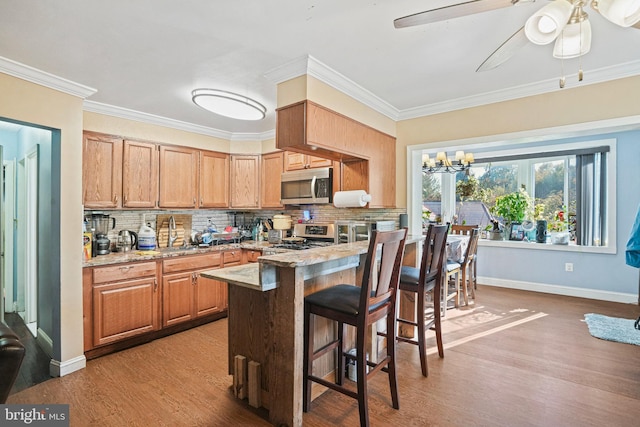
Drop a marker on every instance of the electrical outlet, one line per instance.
(568, 266)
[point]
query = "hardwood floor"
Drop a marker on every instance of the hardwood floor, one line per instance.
(514, 359)
(35, 365)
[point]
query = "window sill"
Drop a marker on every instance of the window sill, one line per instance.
(515, 244)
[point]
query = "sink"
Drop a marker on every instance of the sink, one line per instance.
(179, 249)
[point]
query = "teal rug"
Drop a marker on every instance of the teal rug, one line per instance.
(612, 328)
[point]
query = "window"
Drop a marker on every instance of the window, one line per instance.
(567, 185)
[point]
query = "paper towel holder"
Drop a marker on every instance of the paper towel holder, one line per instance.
(351, 199)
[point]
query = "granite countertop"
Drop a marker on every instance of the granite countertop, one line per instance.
(136, 255)
(252, 275)
(276, 256)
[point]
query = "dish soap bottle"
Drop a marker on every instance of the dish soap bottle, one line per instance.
(146, 237)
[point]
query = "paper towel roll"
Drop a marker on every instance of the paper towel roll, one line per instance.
(351, 199)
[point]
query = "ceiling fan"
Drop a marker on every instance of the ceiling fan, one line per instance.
(564, 21)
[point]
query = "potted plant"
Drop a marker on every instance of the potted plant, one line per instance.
(512, 208)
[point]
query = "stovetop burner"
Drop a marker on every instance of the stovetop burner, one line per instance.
(301, 246)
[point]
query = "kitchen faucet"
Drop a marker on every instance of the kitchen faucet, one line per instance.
(173, 231)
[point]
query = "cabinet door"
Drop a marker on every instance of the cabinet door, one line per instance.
(271, 173)
(214, 180)
(101, 171)
(177, 298)
(139, 175)
(245, 180)
(295, 161)
(178, 177)
(211, 296)
(124, 309)
(318, 162)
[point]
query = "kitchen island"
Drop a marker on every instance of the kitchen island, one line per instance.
(266, 305)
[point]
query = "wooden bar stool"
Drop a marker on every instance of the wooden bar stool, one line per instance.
(359, 306)
(422, 281)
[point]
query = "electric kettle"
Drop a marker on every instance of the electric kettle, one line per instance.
(127, 240)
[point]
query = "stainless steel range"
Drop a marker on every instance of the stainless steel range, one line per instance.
(308, 236)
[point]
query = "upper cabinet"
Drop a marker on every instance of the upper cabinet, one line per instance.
(245, 181)
(101, 171)
(296, 161)
(312, 130)
(178, 177)
(214, 180)
(139, 174)
(270, 175)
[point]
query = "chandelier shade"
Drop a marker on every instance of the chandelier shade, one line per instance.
(228, 104)
(547, 23)
(442, 163)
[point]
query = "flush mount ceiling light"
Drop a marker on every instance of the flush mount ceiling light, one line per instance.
(229, 104)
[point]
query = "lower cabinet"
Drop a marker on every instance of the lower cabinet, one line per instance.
(185, 294)
(125, 302)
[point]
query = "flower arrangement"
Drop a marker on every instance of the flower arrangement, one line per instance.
(559, 222)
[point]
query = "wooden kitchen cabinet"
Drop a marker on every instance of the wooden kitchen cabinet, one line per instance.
(297, 161)
(245, 181)
(250, 255)
(125, 300)
(101, 171)
(310, 129)
(214, 180)
(178, 177)
(186, 294)
(271, 173)
(139, 174)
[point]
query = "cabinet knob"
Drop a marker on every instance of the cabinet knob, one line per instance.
(115, 199)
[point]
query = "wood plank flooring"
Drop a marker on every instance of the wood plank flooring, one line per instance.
(515, 358)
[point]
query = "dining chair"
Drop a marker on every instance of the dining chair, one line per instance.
(463, 272)
(361, 307)
(425, 280)
(466, 230)
(462, 229)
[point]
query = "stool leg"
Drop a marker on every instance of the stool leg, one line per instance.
(341, 358)
(464, 285)
(422, 348)
(391, 367)
(361, 361)
(308, 358)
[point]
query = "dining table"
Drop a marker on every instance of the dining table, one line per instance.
(457, 247)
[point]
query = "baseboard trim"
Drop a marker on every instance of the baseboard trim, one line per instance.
(560, 290)
(45, 343)
(60, 369)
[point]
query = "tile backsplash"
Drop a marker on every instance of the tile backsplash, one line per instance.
(132, 219)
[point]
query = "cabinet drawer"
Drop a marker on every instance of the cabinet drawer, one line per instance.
(231, 257)
(123, 272)
(252, 255)
(197, 262)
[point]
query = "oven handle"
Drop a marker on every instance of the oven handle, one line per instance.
(313, 188)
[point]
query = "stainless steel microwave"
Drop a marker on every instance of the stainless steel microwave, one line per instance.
(308, 186)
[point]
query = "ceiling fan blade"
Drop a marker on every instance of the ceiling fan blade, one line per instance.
(506, 50)
(450, 12)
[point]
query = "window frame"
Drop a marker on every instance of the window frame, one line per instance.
(485, 149)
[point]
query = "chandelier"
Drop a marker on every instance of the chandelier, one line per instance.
(442, 163)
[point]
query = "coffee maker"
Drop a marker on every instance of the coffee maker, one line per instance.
(101, 223)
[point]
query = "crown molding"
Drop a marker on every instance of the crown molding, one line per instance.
(601, 75)
(45, 79)
(312, 67)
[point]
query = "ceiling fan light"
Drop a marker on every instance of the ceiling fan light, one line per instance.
(621, 12)
(547, 23)
(574, 41)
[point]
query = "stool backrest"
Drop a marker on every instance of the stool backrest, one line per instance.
(462, 229)
(433, 254)
(384, 275)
